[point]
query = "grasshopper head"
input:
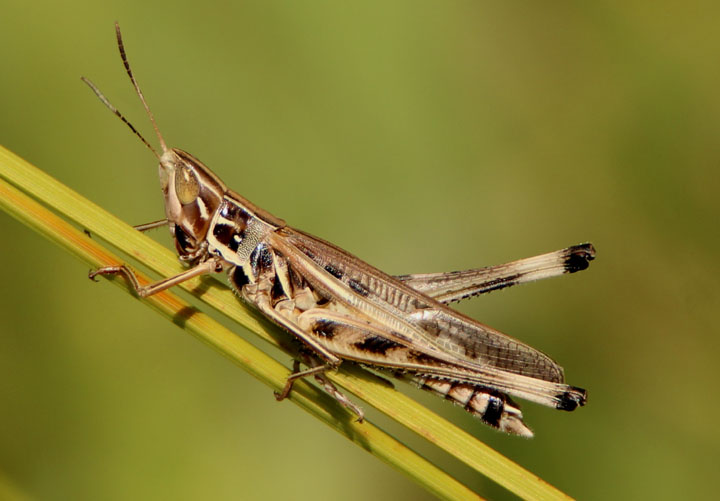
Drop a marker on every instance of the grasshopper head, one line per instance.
(192, 194)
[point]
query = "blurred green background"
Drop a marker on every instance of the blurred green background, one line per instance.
(421, 136)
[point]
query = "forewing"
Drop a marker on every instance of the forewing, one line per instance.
(410, 317)
(353, 338)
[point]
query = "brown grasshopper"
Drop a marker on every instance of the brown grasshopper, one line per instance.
(342, 309)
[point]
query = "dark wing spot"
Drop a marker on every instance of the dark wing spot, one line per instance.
(333, 271)
(421, 358)
(376, 344)
(358, 287)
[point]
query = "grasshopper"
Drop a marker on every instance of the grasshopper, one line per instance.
(341, 309)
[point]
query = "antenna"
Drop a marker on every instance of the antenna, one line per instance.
(118, 114)
(112, 108)
(121, 47)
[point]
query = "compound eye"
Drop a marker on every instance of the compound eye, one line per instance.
(187, 187)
